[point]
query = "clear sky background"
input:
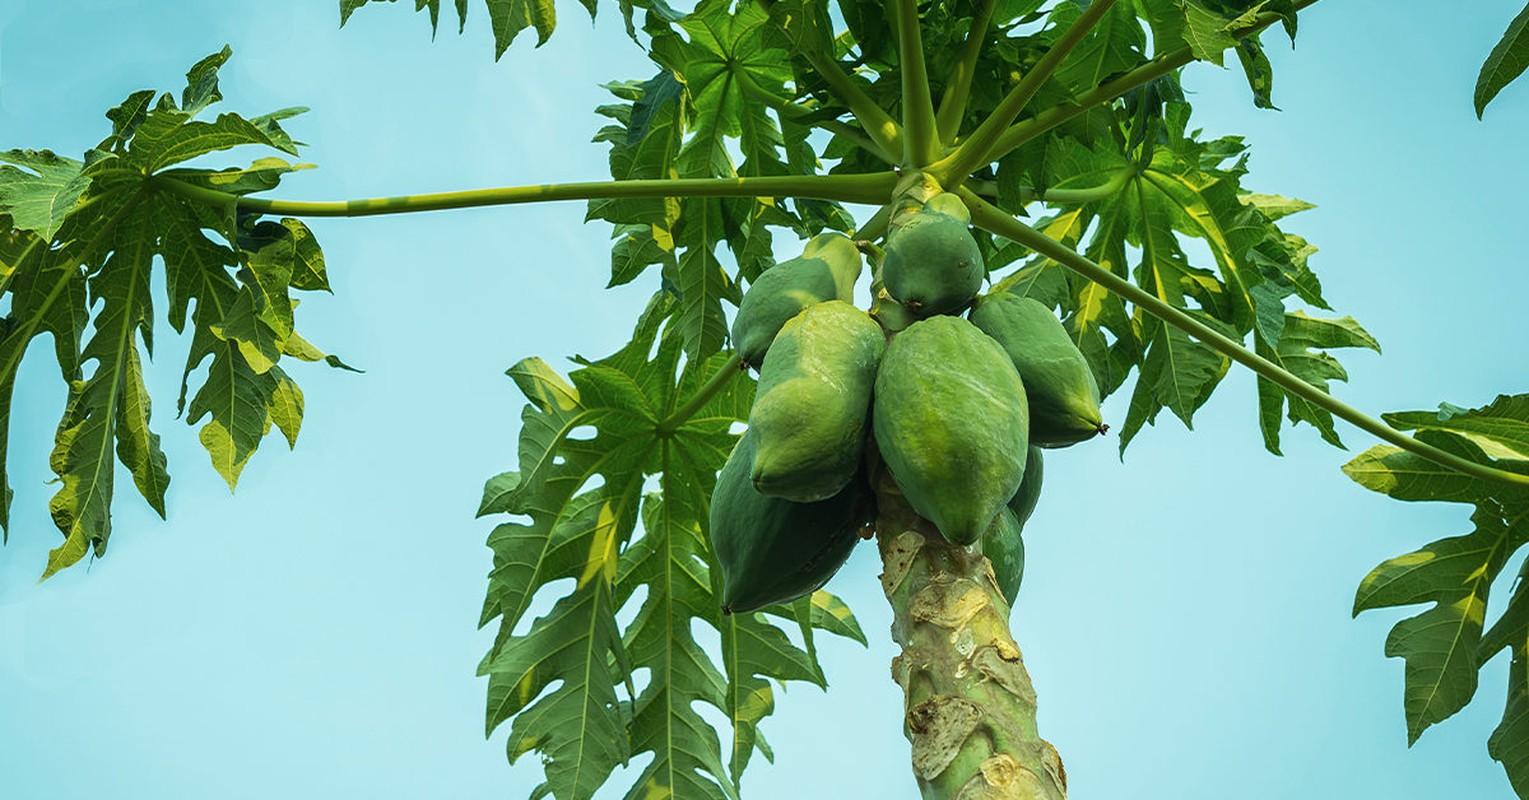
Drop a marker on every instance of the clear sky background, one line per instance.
(1185, 615)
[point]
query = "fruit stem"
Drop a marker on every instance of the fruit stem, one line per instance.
(921, 136)
(876, 226)
(870, 188)
(995, 221)
(970, 706)
(718, 381)
(975, 150)
(958, 90)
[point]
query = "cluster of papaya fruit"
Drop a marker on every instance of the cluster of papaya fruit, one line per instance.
(960, 407)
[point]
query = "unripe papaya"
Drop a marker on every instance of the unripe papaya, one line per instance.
(842, 257)
(892, 315)
(772, 550)
(952, 424)
(814, 394)
(1064, 398)
(1029, 493)
(949, 204)
(932, 264)
(826, 270)
(1005, 548)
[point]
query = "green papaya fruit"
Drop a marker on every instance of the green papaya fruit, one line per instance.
(1064, 398)
(1029, 493)
(932, 263)
(949, 204)
(772, 550)
(826, 270)
(842, 257)
(952, 424)
(814, 394)
(892, 315)
(1005, 548)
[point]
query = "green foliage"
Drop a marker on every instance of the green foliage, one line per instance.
(1505, 63)
(1174, 188)
(83, 240)
(1445, 646)
(716, 83)
(618, 521)
(576, 504)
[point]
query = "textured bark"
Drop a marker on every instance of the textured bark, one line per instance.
(970, 706)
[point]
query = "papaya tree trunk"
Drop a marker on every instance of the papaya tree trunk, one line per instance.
(970, 708)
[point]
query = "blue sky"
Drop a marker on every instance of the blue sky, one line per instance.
(1185, 616)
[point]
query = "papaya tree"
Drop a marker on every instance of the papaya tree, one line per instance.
(635, 646)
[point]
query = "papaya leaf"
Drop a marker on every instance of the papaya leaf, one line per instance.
(1259, 72)
(1275, 207)
(508, 18)
(1178, 373)
(1301, 347)
(1444, 646)
(1207, 32)
(38, 188)
(83, 240)
(1501, 429)
(680, 123)
(1440, 644)
(1505, 63)
(1184, 189)
(700, 280)
(644, 144)
(1115, 45)
(623, 513)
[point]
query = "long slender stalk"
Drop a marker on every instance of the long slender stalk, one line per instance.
(1086, 194)
(1159, 66)
(876, 226)
(958, 89)
(872, 188)
(996, 221)
(969, 703)
(798, 113)
(921, 135)
(718, 381)
(876, 122)
(975, 150)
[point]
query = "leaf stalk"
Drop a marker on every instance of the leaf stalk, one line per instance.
(993, 220)
(876, 122)
(921, 136)
(1156, 68)
(871, 188)
(958, 90)
(976, 149)
(718, 381)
